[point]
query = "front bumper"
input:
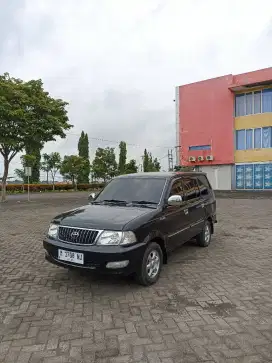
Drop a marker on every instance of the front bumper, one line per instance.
(97, 257)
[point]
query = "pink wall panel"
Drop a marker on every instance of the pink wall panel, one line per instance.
(206, 117)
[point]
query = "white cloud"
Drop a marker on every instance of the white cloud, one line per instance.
(117, 62)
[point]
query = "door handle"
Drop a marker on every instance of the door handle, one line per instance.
(186, 211)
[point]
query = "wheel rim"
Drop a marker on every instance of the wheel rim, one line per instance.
(207, 234)
(153, 264)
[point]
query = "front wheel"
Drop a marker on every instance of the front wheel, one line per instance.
(204, 237)
(151, 265)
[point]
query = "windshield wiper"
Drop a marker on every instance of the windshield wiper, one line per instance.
(143, 202)
(114, 201)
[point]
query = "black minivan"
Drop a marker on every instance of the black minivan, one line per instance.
(133, 223)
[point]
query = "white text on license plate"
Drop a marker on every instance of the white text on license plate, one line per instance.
(71, 256)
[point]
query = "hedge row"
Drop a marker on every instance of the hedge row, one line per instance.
(13, 188)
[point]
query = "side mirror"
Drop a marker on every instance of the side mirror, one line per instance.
(175, 200)
(91, 197)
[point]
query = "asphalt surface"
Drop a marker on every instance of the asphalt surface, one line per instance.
(210, 305)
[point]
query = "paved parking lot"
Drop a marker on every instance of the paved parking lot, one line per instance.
(210, 305)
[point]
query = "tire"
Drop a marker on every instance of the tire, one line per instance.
(145, 276)
(204, 237)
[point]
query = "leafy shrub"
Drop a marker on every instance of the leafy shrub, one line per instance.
(19, 188)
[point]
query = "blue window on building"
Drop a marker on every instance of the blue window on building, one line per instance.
(258, 176)
(266, 137)
(253, 102)
(249, 139)
(249, 103)
(257, 138)
(249, 179)
(240, 177)
(254, 138)
(267, 100)
(257, 102)
(254, 176)
(268, 176)
(240, 140)
(240, 105)
(200, 147)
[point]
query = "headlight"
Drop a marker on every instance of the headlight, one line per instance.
(53, 230)
(115, 238)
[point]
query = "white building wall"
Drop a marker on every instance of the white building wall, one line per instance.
(220, 176)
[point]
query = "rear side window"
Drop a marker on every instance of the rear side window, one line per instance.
(191, 189)
(204, 185)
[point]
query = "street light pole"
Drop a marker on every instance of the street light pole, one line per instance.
(28, 191)
(28, 173)
(178, 161)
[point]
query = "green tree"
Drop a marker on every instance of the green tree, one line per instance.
(45, 166)
(131, 167)
(52, 164)
(149, 164)
(122, 157)
(29, 117)
(71, 167)
(104, 165)
(156, 165)
(183, 168)
(20, 173)
(146, 161)
(28, 161)
(83, 151)
(34, 150)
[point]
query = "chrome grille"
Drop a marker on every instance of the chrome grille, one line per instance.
(77, 235)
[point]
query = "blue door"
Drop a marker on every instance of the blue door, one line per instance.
(258, 176)
(267, 176)
(240, 177)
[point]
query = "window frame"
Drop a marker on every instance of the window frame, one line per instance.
(263, 92)
(244, 130)
(257, 92)
(253, 93)
(252, 103)
(199, 147)
(238, 95)
(261, 138)
(252, 139)
(270, 138)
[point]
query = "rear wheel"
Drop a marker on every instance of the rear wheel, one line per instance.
(151, 265)
(204, 237)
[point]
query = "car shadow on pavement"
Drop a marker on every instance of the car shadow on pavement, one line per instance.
(83, 278)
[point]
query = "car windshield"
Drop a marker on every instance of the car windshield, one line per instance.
(133, 190)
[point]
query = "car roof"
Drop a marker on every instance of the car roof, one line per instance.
(161, 175)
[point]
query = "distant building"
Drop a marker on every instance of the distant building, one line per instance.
(224, 128)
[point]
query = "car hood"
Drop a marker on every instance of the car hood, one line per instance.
(101, 216)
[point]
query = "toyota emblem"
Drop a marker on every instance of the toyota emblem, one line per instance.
(74, 234)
